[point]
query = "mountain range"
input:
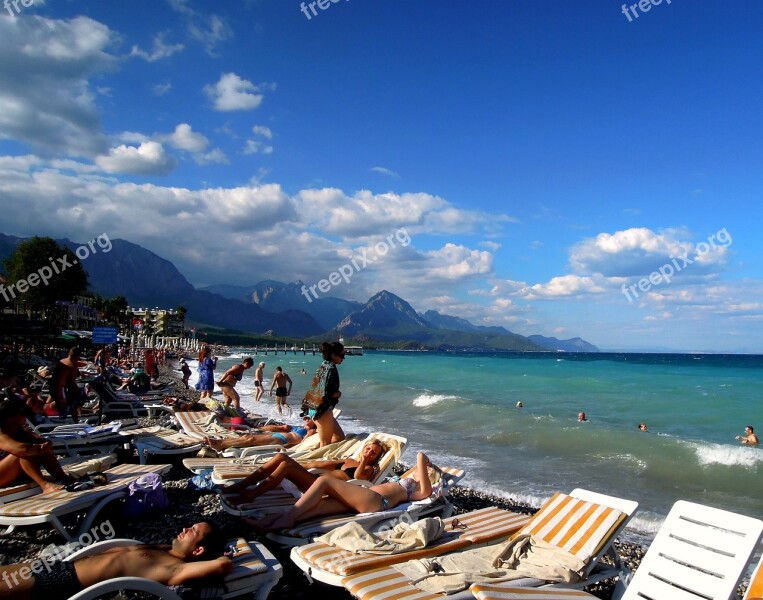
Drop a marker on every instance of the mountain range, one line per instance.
(147, 280)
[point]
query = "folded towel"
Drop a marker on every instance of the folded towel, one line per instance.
(403, 537)
(521, 557)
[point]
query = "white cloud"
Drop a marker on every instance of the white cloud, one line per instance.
(210, 33)
(159, 51)
(184, 138)
(637, 252)
(45, 96)
(255, 147)
(263, 131)
(565, 285)
(213, 156)
(385, 171)
(231, 92)
(161, 89)
(147, 159)
(456, 262)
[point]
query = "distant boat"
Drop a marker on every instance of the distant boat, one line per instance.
(354, 350)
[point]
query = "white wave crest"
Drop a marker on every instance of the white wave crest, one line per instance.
(429, 399)
(723, 454)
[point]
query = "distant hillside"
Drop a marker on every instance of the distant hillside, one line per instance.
(459, 324)
(388, 317)
(275, 296)
(571, 345)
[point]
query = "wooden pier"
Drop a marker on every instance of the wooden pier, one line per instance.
(304, 350)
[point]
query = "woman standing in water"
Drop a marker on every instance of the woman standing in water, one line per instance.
(207, 364)
(324, 394)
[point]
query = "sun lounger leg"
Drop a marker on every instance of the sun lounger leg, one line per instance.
(275, 570)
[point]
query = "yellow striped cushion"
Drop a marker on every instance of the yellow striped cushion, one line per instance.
(246, 562)
(119, 478)
(496, 592)
(481, 526)
(385, 584)
(578, 526)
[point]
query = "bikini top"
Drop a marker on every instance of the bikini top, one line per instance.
(300, 431)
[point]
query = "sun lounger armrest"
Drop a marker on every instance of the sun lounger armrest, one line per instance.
(260, 450)
(126, 583)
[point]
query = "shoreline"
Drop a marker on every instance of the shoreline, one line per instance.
(188, 506)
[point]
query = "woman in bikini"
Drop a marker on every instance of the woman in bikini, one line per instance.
(282, 466)
(274, 435)
(343, 495)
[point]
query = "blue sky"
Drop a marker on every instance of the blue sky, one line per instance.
(541, 157)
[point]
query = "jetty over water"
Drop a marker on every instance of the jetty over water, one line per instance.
(286, 349)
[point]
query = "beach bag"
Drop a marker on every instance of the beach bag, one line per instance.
(314, 397)
(146, 495)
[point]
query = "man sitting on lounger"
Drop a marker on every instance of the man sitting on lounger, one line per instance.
(273, 435)
(187, 558)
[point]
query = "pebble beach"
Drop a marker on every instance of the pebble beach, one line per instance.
(188, 506)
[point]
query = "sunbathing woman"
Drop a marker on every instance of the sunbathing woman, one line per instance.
(344, 496)
(282, 466)
(23, 452)
(274, 435)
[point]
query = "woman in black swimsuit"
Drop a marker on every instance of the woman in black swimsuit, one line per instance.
(228, 382)
(282, 466)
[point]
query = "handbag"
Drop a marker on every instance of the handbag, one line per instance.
(146, 495)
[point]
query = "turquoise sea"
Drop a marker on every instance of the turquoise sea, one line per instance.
(461, 409)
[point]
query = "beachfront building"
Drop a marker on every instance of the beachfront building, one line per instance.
(158, 321)
(78, 315)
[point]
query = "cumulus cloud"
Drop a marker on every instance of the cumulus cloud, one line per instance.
(257, 147)
(231, 92)
(159, 51)
(45, 97)
(366, 214)
(147, 159)
(263, 131)
(185, 138)
(637, 252)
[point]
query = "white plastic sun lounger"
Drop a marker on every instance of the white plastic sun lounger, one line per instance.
(255, 573)
(699, 553)
(49, 508)
(163, 441)
(583, 523)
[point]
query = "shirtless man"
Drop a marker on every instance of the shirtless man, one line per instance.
(749, 436)
(280, 379)
(276, 435)
(258, 382)
(171, 565)
(63, 385)
(228, 382)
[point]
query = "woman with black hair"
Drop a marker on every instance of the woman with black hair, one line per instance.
(324, 395)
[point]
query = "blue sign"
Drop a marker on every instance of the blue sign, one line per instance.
(104, 335)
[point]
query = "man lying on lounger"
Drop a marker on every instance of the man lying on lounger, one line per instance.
(273, 435)
(187, 558)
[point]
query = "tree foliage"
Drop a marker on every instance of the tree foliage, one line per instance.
(40, 272)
